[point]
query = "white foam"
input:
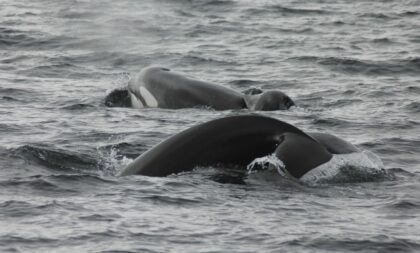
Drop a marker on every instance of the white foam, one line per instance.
(111, 161)
(119, 82)
(362, 162)
(270, 162)
(354, 167)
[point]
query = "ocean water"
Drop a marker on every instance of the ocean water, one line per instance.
(352, 67)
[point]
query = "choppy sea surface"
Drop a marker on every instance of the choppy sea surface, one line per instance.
(352, 67)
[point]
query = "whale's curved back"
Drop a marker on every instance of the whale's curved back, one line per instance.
(231, 140)
(160, 87)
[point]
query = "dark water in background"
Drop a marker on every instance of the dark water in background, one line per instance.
(353, 68)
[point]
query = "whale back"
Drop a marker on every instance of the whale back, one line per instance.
(169, 89)
(232, 140)
(334, 144)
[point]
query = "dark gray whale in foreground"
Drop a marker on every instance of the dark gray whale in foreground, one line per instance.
(163, 88)
(239, 140)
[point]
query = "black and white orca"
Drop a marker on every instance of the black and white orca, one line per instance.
(163, 88)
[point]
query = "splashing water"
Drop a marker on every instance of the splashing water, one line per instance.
(120, 81)
(355, 167)
(270, 163)
(112, 161)
(364, 166)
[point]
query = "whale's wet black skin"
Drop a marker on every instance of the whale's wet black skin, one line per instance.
(163, 88)
(239, 140)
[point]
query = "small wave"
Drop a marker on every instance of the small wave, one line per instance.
(380, 243)
(57, 70)
(306, 30)
(413, 107)
(334, 23)
(348, 168)
(13, 208)
(7, 98)
(331, 122)
(395, 145)
(69, 13)
(384, 93)
(11, 37)
(286, 10)
(390, 16)
(194, 59)
(9, 128)
(100, 217)
(183, 13)
(409, 13)
(212, 3)
(15, 59)
(56, 159)
(31, 40)
(172, 200)
(55, 185)
(376, 16)
(15, 92)
(343, 102)
(403, 66)
(243, 83)
(413, 89)
(21, 240)
(70, 179)
(404, 204)
(35, 183)
(115, 59)
(76, 107)
(382, 41)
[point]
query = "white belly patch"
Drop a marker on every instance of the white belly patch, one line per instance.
(136, 102)
(148, 97)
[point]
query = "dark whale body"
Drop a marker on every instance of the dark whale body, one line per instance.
(239, 140)
(163, 88)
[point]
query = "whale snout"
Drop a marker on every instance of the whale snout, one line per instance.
(288, 102)
(273, 100)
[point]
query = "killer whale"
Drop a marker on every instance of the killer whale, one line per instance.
(160, 87)
(239, 140)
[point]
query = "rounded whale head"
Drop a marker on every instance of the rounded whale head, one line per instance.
(273, 100)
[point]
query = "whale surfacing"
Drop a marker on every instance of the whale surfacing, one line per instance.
(163, 88)
(238, 140)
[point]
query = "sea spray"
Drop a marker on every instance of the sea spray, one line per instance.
(346, 168)
(111, 161)
(270, 162)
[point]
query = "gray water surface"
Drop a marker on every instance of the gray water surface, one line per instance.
(352, 67)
